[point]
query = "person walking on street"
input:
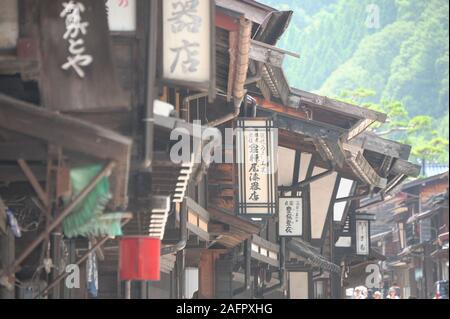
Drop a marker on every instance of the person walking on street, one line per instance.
(377, 295)
(392, 294)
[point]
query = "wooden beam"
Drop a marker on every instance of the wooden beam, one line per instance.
(277, 81)
(19, 66)
(281, 108)
(238, 222)
(306, 127)
(71, 134)
(194, 206)
(268, 54)
(205, 236)
(226, 22)
(99, 251)
(374, 143)
(43, 196)
(261, 242)
(406, 168)
(61, 130)
(330, 151)
(364, 170)
(328, 104)
(358, 128)
(217, 229)
(265, 259)
(251, 9)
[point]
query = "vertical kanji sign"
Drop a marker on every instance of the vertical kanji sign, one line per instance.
(362, 237)
(290, 217)
(188, 43)
(256, 149)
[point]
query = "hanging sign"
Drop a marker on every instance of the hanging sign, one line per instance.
(121, 15)
(77, 58)
(256, 150)
(290, 217)
(362, 237)
(189, 43)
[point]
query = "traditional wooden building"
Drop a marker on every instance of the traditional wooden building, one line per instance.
(92, 94)
(412, 232)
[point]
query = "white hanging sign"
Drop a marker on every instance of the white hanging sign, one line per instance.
(362, 237)
(121, 15)
(290, 217)
(187, 41)
(256, 146)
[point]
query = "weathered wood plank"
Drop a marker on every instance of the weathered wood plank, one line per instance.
(234, 221)
(61, 130)
(16, 66)
(406, 168)
(261, 242)
(266, 54)
(302, 126)
(195, 207)
(372, 142)
(338, 106)
(281, 109)
(199, 232)
(217, 229)
(276, 78)
(71, 134)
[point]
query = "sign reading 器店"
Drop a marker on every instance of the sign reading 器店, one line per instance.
(256, 162)
(188, 43)
(290, 217)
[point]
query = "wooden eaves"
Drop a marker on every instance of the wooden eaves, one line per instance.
(311, 255)
(364, 116)
(327, 139)
(71, 134)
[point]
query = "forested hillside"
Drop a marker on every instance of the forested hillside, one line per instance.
(398, 49)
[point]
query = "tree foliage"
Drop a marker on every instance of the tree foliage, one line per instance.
(418, 131)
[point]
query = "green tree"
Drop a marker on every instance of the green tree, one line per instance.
(418, 131)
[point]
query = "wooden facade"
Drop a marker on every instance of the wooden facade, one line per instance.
(412, 232)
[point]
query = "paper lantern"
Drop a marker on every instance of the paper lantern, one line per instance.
(140, 258)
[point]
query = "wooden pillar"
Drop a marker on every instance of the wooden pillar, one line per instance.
(180, 266)
(207, 273)
(335, 278)
(428, 271)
